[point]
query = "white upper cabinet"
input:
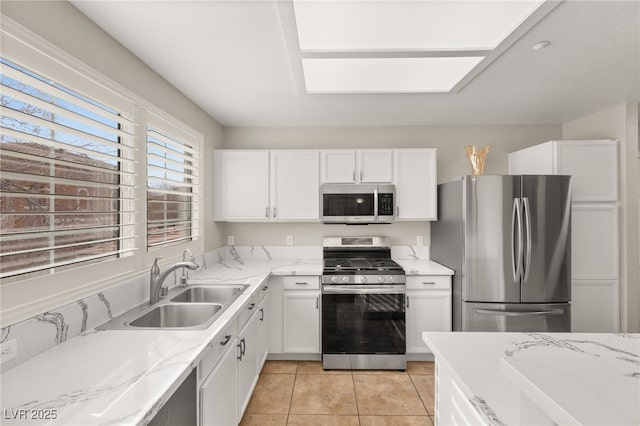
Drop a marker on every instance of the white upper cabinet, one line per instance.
(375, 166)
(415, 179)
(338, 166)
(593, 165)
(242, 185)
(262, 185)
(295, 183)
(355, 166)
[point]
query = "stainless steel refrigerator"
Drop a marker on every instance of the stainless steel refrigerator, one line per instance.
(508, 239)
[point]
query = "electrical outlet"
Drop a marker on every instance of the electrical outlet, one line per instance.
(9, 350)
(289, 240)
(231, 240)
(419, 240)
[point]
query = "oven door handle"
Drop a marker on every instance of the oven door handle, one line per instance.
(363, 289)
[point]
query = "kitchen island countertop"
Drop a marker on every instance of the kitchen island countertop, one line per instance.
(528, 378)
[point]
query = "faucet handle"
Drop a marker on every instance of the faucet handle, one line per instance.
(155, 269)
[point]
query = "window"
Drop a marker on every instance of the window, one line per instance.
(67, 185)
(172, 184)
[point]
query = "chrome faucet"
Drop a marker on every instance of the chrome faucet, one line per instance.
(185, 275)
(157, 278)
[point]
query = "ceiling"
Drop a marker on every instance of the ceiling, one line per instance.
(240, 62)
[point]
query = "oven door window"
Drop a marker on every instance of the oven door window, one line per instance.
(363, 324)
(345, 205)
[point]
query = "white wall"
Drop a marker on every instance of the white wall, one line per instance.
(452, 162)
(620, 122)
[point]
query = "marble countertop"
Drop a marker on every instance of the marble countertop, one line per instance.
(574, 378)
(423, 267)
(125, 376)
(118, 377)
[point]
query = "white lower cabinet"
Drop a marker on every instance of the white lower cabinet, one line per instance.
(263, 332)
(218, 393)
(594, 306)
(428, 308)
(301, 315)
(247, 346)
(217, 378)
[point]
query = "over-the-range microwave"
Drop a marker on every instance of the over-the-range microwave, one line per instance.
(357, 203)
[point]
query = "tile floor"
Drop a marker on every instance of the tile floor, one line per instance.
(302, 393)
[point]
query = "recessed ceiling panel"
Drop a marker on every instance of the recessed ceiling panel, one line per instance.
(384, 25)
(385, 75)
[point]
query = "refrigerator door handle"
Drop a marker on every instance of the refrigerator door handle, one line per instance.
(516, 256)
(527, 219)
(518, 313)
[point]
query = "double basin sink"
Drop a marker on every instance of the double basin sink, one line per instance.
(193, 307)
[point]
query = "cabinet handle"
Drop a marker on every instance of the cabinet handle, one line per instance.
(274, 212)
(226, 340)
(244, 347)
(239, 346)
(397, 211)
(407, 302)
(360, 175)
(302, 283)
(261, 314)
(317, 302)
(354, 175)
(428, 283)
(265, 288)
(266, 212)
(251, 306)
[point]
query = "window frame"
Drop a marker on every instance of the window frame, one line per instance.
(23, 299)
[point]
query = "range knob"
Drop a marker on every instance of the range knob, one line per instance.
(363, 279)
(345, 279)
(380, 278)
(391, 279)
(334, 279)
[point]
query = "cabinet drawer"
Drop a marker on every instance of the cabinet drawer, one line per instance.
(428, 282)
(302, 283)
(262, 291)
(224, 340)
(247, 310)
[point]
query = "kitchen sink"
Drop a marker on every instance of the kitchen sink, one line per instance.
(193, 307)
(176, 316)
(209, 294)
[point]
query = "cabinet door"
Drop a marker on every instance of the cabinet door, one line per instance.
(295, 183)
(245, 185)
(301, 322)
(428, 310)
(594, 241)
(416, 184)
(594, 306)
(375, 166)
(263, 332)
(593, 166)
(218, 393)
(275, 314)
(338, 166)
(247, 362)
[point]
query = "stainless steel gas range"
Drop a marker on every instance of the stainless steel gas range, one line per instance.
(363, 305)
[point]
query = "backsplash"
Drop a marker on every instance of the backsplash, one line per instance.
(44, 331)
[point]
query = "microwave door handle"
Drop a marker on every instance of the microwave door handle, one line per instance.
(375, 204)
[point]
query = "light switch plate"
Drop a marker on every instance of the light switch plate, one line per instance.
(289, 240)
(231, 240)
(419, 240)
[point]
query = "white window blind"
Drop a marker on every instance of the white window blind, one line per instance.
(67, 184)
(172, 184)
